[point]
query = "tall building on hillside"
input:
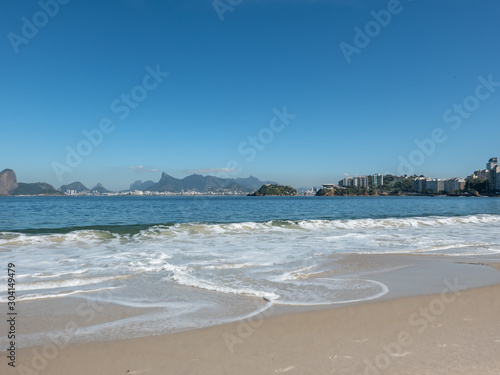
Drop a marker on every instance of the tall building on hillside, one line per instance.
(377, 180)
(346, 182)
(454, 184)
(362, 181)
(482, 174)
(494, 175)
(492, 163)
(435, 185)
(419, 184)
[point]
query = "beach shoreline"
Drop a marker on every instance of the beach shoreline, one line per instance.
(454, 331)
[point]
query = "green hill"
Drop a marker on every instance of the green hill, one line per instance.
(276, 190)
(76, 186)
(100, 189)
(38, 188)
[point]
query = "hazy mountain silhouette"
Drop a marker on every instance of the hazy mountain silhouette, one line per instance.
(139, 185)
(76, 186)
(204, 184)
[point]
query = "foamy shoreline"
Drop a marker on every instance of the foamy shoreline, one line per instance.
(349, 334)
(453, 332)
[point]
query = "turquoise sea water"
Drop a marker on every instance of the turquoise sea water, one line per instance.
(186, 262)
(53, 214)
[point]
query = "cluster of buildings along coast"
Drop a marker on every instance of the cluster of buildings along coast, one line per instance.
(490, 174)
(422, 184)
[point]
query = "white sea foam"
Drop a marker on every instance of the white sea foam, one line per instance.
(249, 258)
(31, 297)
(232, 266)
(42, 275)
(64, 283)
(187, 280)
(371, 290)
(196, 274)
(190, 230)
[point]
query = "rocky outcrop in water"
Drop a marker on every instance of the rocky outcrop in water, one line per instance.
(270, 189)
(8, 181)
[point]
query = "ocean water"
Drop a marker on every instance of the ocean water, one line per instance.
(178, 263)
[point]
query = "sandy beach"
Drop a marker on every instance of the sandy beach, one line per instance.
(231, 187)
(452, 332)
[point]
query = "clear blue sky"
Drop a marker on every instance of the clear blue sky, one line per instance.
(227, 76)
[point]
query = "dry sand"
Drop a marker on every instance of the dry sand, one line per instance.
(453, 333)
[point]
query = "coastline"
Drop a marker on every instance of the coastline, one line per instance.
(399, 334)
(280, 196)
(246, 195)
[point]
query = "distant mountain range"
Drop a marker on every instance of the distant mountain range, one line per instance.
(78, 188)
(37, 188)
(10, 186)
(142, 186)
(100, 189)
(193, 183)
(252, 182)
(201, 184)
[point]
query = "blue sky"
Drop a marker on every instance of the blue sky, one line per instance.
(228, 78)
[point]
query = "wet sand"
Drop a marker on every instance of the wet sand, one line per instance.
(454, 332)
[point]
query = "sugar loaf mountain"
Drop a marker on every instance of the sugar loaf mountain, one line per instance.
(10, 186)
(194, 184)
